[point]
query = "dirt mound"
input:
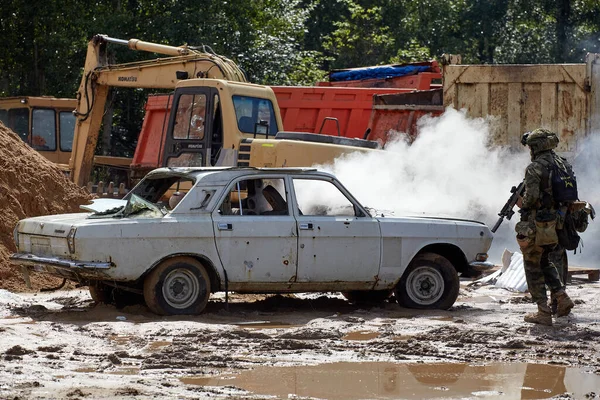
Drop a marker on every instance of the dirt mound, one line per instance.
(30, 185)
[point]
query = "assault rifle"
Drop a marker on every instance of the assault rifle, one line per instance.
(507, 211)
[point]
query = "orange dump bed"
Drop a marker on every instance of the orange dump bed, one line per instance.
(304, 109)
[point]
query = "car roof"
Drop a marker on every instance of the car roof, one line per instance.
(228, 173)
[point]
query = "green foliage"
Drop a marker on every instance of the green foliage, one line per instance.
(359, 36)
(413, 52)
(282, 42)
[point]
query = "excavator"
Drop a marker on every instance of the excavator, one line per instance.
(217, 118)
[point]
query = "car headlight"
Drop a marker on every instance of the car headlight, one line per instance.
(16, 236)
(71, 240)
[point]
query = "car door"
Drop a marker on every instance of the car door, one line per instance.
(255, 231)
(337, 241)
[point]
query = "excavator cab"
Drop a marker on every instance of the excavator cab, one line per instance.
(190, 134)
(210, 118)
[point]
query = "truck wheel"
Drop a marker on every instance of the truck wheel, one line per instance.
(367, 296)
(430, 281)
(177, 286)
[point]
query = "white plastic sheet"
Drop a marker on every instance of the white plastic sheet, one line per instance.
(512, 274)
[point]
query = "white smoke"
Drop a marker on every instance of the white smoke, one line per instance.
(449, 170)
(587, 169)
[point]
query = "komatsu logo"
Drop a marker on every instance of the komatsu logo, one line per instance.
(127, 78)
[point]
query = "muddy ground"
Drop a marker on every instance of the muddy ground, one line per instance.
(61, 345)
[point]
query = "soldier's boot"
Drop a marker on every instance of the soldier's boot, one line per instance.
(564, 303)
(553, 303)
(542, 317)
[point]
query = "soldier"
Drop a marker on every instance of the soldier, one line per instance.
(543, 256)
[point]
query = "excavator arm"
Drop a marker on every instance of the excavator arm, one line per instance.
(160, 73)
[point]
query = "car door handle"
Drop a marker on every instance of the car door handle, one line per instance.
(307, 226)
(225, 227)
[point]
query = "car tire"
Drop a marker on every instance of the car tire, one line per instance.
(429, 282)
(367, 296)
(177, 286)
(107, 294)
(100, 292)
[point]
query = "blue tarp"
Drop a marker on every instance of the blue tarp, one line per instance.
(377, 72)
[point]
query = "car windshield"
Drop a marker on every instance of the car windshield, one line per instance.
(153, 197)
(137, 205)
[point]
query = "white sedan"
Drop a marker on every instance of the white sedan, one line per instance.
(184, 233)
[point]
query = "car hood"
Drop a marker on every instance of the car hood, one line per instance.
(433, 219)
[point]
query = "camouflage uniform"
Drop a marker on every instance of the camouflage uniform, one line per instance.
(544, 259)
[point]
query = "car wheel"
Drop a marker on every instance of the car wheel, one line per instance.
(103, 293)
(177, 286)
(430, 281)
(367, 296)
(100, 292)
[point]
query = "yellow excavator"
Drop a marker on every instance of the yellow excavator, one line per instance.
(217, 118)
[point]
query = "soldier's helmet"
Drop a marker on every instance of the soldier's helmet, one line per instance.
(540, 140)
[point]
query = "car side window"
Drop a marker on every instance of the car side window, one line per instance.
(256, 196)
(319, 197)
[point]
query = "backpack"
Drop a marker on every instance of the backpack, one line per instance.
(563, 181)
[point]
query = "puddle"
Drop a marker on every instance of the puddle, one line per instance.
(201, 381)
(159, 344)
(409, 381)
(86, 369)
(385, 322)
(265, 325)
(402, 337)
(125, 371)
(361, 335)
(23, 320)
(442, 318)
(480, 299)
(121, 340)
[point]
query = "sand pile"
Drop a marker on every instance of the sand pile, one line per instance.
(30, 185)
